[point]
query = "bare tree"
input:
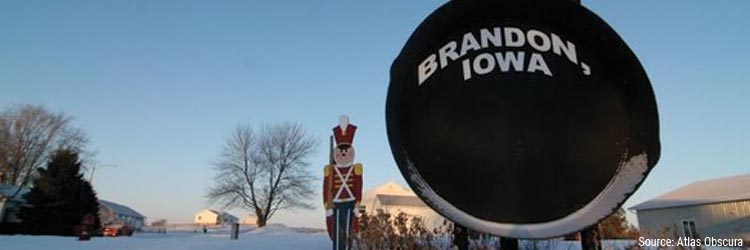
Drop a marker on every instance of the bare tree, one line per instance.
(264, 173)
(28, 136)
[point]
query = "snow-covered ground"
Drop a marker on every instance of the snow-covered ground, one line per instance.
(271, 237)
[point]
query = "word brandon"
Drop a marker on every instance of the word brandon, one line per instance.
(690, 242)
(504, 61)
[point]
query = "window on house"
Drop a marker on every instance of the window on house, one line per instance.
(688, 228)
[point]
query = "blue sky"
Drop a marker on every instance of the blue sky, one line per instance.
(159, 84)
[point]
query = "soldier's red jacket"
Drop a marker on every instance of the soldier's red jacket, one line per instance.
(334, 191)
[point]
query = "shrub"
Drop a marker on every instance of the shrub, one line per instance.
(384, 231)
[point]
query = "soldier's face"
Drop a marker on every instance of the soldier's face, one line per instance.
(344, 155)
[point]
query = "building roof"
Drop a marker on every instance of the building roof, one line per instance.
(390, 194)
(120, 209)
(703, 192)
(229, 216)
(390, 188)
(210, 211)
(7, 190)
(220, 213)
(400, 200)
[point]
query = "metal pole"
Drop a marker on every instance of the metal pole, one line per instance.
(591, 239)
(235, 234)
(460, 237)
(93, 169)
(91, 178)
(508, 243)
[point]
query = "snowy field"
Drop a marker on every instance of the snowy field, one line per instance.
(270, 237)
(267, 238)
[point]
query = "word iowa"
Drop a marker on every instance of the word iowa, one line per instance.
(504, 61)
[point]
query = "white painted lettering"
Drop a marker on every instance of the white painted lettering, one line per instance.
(537, 63)
(467, 69)
(427, 68)
(488, 65)
(495, 37)
(558, 47)
(538, 40)
(504, 62)
(514, 37)
(447, 51)
(469, 43)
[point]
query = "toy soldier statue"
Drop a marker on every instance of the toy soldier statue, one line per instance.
(342, 187)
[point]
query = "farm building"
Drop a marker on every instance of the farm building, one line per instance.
(11, 199)
(111, 213)
(393, 198)
(213, 217)
(717, 208)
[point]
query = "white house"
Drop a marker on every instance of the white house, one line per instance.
(717, 208)
(393, 198)
(213, 217)
(111, 213)
(10, 204)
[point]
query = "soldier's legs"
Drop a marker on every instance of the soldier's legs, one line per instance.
(343, 215)
(336, 215)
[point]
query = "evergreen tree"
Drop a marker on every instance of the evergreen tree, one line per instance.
(59, 198)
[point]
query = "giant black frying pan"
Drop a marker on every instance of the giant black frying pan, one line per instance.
(526, 119)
